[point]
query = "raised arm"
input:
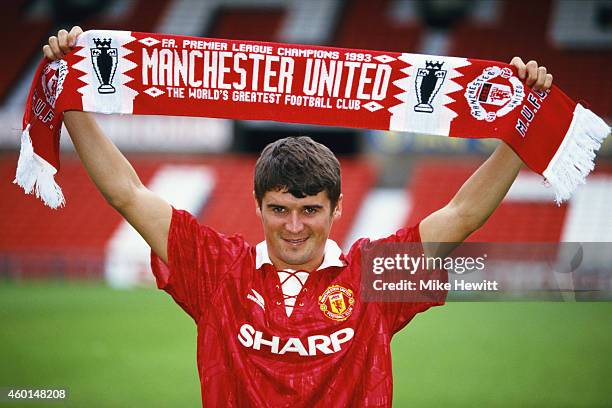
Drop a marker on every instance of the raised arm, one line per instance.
(110, 171)
(482, 193)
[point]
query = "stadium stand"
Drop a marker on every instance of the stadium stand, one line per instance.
(38, 241)
(260, 24)
(34, 26)
(581, 73)
(434, 182)
(368, 25)
(139, 15)
(73, 240)
(387, 25)
(23, 46)
(302, 22)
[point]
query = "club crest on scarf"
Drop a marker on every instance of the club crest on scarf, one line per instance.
(52, 80)
(489, 99)
(104, 60)
(428, 82)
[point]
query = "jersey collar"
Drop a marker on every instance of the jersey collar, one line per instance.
(331, 255)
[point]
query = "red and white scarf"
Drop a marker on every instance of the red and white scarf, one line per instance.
(157, 74)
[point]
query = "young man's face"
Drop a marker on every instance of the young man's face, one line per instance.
(296, 229)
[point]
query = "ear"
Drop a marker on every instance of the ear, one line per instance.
(338, 210)
(257, 207)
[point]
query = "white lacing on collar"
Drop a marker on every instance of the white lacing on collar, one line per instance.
(292, 283)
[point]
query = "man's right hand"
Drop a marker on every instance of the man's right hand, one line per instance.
(61, 44)
(110, 171)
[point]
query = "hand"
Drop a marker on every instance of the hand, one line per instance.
(61, 44)
(537, 77)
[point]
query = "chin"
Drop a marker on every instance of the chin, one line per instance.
(293, 259)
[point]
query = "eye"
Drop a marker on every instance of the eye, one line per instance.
(278, 210)
(310, 210)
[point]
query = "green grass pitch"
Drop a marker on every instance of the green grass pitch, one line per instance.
(136, 348)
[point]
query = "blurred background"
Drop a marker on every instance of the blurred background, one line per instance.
(76, 304)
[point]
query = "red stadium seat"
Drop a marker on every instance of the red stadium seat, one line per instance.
(255, 23)
(367, 25)
(141, 15)
(71, 242)
(26, 37)
(435, 182)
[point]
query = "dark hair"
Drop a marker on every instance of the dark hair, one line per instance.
(300, 166)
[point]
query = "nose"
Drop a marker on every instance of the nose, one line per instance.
(294, 223)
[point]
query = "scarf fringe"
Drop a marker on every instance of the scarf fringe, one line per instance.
(574, 159)
(36, 175)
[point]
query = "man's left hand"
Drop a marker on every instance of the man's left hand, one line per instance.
(536, 76)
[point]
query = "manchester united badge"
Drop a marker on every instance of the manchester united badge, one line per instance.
(337, 302)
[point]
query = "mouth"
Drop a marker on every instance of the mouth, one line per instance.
(295, 241)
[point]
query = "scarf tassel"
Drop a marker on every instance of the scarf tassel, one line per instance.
(574, 159)
(36, 175)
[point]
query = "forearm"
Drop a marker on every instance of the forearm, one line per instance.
(482, 193)
(484, 190)
(107, 167)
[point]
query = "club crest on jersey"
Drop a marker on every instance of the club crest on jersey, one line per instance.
(337, 302)
(52, 78)
(488, 99)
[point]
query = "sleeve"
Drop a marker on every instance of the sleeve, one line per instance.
(399, 314)
(198, 257)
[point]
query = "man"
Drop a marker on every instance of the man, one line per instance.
(282, 323)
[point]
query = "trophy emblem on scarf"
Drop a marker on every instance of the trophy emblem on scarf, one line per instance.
(427, 84)
(104, 59)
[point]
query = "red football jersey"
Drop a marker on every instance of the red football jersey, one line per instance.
(334, 349)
